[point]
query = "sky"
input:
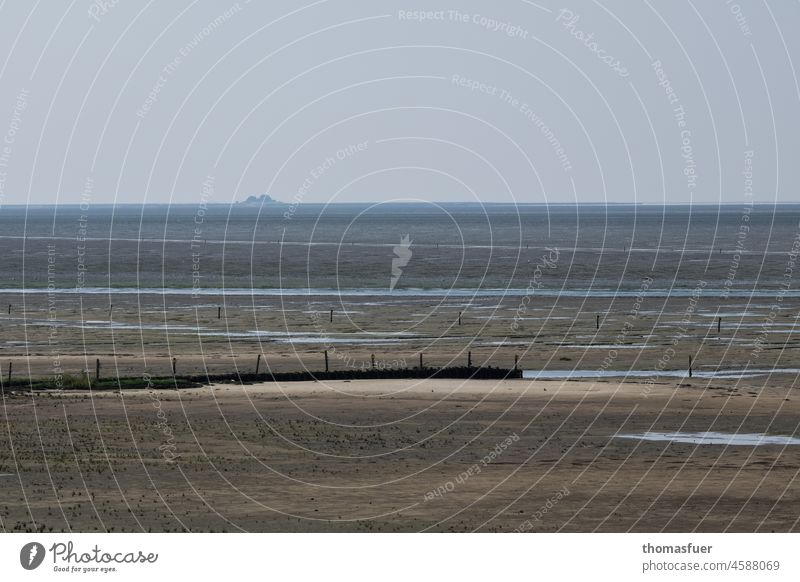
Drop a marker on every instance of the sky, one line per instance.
(676, 102)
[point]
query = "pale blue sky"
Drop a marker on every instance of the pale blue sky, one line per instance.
(373, 100)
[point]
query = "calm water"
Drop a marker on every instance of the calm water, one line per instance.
(600, 250)
(598, 374)
(714, 438)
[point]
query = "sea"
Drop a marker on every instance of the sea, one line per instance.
(401, 249)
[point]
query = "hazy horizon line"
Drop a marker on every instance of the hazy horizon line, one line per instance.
(397, 202)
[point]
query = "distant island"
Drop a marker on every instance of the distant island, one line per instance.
(263, 199)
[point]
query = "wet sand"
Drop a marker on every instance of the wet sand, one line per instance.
(141, 334)
(444, 455)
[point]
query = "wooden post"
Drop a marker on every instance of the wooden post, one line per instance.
(719, 324)
(110, 309)
(459, 318)
(326, 360)
(597, 323)
(331, 315)
(516, 362)
(420, 361)
(10, 365)
(174, 365)
(372, 358)
(690, 366)
(219, 312)
(258, 363)
(469, 359)
(97, 369)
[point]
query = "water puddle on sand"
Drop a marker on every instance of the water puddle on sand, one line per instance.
(607, 346)
(307, 338)
(730, 314)
(340, 340)
(718, 374)
(713, 438)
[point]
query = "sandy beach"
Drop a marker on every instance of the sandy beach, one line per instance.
(443, 455)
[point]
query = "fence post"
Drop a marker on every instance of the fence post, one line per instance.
(258, 363)
(372, 358)
(597, 323)
(97, 369)
(690, 366)
(174, 365)
(420, 361)
(331, 316)
(219, 312)
(516, 362)
(469, 359)
(326, 360)
(10, 365)
(459, 318)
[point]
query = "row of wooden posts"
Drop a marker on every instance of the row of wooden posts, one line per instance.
(421, 362)
(327, 363)
(258, 364)
(327, 368)
(597, 322)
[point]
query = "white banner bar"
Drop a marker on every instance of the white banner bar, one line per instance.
(400, 557)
